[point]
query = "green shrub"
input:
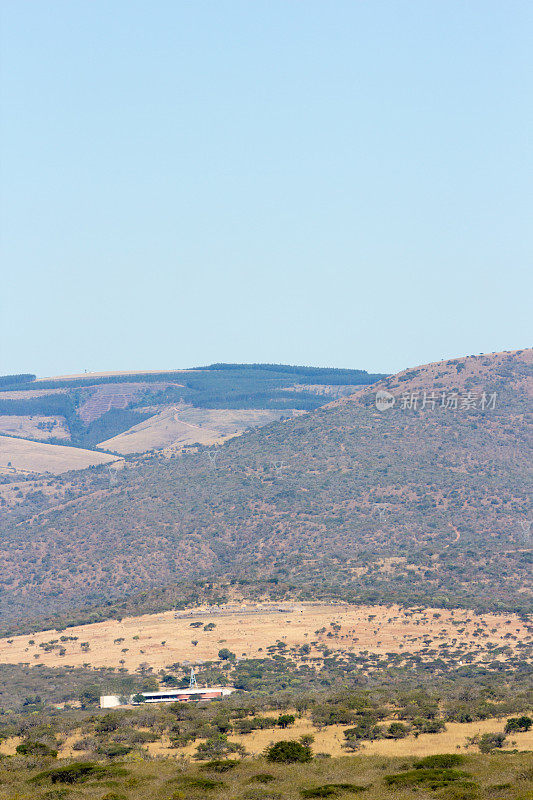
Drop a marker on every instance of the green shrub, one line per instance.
(330, 789)
(114, 749)
(396, 730)
(491, 741)
(364, 729)
(203, 783)
(284, 720)
(220, 765)
(288, 752)
(217, 746)
(426, 777)
(71, 773)
(29, 748)
(262, 777)
(226, 655)
(515, 724)
(440, 761)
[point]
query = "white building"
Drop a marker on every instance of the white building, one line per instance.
(193, 695)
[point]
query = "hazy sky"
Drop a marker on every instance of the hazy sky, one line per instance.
(331, 183)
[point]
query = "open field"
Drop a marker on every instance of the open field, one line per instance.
(28, 394)
(122, 373)
(177, 426)
(161, 639)
(331, 738)
(37, 427)
(24, 456)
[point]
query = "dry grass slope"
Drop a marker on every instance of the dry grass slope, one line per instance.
(178, 426)
(166, 638)
(21, 456)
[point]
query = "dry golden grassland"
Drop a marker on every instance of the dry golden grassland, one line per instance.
(12, 425)
(330, 740)
(162, 639)
(26, 457)
(179, 426)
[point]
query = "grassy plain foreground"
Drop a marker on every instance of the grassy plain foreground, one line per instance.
(498, 777)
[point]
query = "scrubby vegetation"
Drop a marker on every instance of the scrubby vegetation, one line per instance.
(346, 503)
(506, 777)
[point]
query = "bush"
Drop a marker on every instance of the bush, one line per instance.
(262, 777)
(516, 724)
(364, 729)
(71, 773)
(220, 765)
(203, 783)
(440, 761)
(114, 749)
(426, 777)
(491, 741)
(330, 789)
(217, 746)
(226, 655)
(29, 748)
(284, 720)
(288, 752)
(396, 730)
(428, 725)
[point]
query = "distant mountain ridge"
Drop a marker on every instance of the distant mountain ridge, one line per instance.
(88, 410)
(410, 504)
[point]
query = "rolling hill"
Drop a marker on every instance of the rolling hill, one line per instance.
(108, 410)
(20, 457)
(425, 501)
(184, 426)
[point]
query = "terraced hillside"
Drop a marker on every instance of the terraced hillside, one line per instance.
(414, 503)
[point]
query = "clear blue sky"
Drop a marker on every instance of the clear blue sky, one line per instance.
(330, 183)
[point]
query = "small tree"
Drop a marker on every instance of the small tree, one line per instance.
(288, 752)
(226, 655)
(396, 731)
(216, 747)
(491, 741)
(284, 720)
(32, 748)
(516, 724)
